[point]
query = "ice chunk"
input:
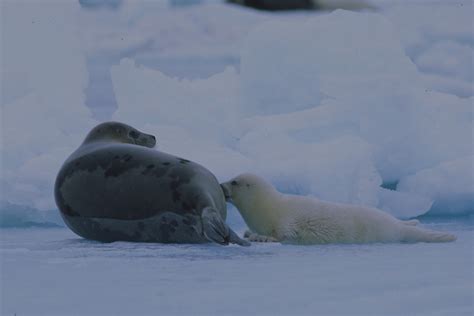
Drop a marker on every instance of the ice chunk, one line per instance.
(281, 81)
(41, 51)
(354, 66)
(13, 215)
(346, 111)
(43, 79)
(448, 58)
(438, 38)
(450, 185)
(284, 64)
(216, 136)
(319, 169)
(403, 204)
(203, 106)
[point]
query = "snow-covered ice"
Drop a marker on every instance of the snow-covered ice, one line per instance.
(53, 272)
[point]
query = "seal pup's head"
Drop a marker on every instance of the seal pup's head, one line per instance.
(247, 190)
(255, 199)
(120, 133)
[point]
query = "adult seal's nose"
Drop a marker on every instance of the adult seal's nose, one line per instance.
(148, 140)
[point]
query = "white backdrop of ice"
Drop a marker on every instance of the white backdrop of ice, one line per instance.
(450, 184)
(348, 91)
(283, 63)
(147, 29)
(439, 39)
(275, 74)
(370, 88)
(340, 107)
(44, 117)
(214, 136)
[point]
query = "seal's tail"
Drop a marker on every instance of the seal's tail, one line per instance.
(216, 230)
(415, 234)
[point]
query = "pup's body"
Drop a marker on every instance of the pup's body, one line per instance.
(307, 220)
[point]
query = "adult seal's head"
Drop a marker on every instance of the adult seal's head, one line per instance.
(116, 187)
(120, 133)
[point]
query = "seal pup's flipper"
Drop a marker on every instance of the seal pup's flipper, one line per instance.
(216, 230)
(416, 234)
(412, 222)
(251, 236)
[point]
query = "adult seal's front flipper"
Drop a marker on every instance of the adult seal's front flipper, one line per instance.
(216, 230)
(235, 239)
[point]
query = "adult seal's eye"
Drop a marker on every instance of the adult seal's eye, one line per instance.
(133, 134)
(234, 182)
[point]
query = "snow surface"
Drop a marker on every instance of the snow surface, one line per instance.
(53, 272)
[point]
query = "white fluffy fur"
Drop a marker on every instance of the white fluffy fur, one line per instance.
(307, 220)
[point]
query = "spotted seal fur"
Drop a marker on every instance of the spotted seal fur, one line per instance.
(116, 187)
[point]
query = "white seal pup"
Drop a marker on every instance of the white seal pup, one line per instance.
(274, 216)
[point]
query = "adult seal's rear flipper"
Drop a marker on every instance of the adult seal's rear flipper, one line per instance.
(216, 230)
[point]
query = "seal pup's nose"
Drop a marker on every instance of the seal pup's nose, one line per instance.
(226, 191)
